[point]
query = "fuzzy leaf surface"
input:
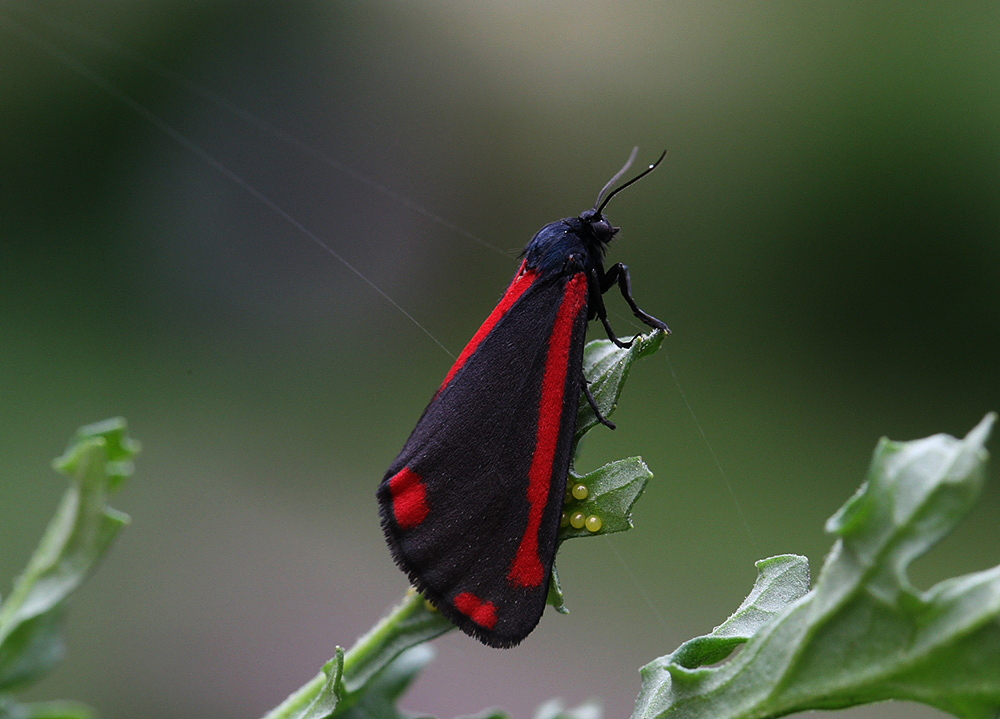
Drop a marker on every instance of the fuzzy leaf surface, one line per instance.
(607, 366)
(864, 633)
(614, 489)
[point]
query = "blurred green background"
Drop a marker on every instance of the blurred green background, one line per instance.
(824, 239)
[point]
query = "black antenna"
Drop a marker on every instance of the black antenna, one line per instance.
(600, 208)
(618, 175)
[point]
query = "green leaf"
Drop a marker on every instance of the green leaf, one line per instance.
(331, 693)
(373, 672)
(612, 491)
(376, 696)
(607, 367)
(413, 622)
(97, 462)
(120, 451)
(780, 581)
(864, 633)
(379, 695)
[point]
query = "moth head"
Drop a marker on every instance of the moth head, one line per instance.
(599, 225)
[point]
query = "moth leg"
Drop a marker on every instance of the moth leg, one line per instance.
(597, 301)
(593, 405)
(619, 273)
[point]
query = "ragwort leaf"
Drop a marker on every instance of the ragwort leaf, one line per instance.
(864, 633)
(97, 462)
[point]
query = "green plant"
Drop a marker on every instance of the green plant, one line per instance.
(366, 679)
(862, 634)
(97, 463)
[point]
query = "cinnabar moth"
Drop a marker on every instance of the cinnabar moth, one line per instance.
(472, 504)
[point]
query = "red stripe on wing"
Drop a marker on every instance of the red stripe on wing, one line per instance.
(522, 281)
(527, 569)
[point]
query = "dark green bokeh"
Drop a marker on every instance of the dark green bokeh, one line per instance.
(824, 239)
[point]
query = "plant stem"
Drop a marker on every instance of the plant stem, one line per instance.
(410, 623)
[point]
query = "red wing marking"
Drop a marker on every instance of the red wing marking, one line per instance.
(527, 569)
(409, 498)
(522, 281)
(482, 613)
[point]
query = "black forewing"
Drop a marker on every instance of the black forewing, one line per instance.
(473, 448)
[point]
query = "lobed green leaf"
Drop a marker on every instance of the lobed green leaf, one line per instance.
(780, 581)
(613, 491)
(864, 633)
(606, 367)
(97, 462)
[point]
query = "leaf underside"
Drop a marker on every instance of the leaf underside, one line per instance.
(864, 633)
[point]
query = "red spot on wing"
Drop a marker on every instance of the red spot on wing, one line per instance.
(482, 613)
(409, 498)
(522, 281)
(527, 569)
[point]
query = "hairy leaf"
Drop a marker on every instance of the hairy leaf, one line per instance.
(864, 633)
